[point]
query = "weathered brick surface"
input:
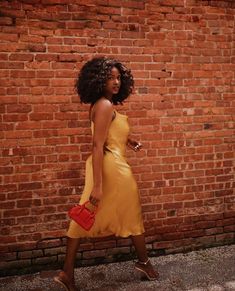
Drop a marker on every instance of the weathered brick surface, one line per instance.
(182, 56)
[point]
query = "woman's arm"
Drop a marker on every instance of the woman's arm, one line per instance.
(102, 117)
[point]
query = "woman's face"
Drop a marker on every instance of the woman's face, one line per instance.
(113, 83)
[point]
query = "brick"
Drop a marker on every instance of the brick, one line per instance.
(6, 170)
(64, 116)
(46, 243)
(229, 228)
(15, 118)
(18, 108)
(41, 116)
(45, 133)
(25, 254)
(15, 264)
(22, 74)
(215, 230)
(105, 245)
(173, 3)
(226, 237)
(93, 254)
(44, 260)
(7, 205)
(9, 37)
(6, 21)
(15, 213)
(54, 251)
(28, 203)
(21, 57)
(30, 186)
(173, 205)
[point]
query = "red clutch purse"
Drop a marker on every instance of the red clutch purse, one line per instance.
(83, 216)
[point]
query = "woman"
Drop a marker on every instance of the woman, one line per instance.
(109, 182)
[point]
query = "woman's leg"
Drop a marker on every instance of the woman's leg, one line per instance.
(144, 265)
(66, 277)
(140, 247)
(72, 247)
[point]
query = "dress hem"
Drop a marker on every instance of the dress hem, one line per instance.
(106, 235)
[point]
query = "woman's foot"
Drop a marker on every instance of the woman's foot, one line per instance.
(64, 281)
(147, 269)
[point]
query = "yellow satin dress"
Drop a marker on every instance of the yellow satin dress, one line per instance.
(119, 210)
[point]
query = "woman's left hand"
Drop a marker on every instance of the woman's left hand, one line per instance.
(134, 145)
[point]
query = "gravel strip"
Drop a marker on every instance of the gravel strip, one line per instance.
(210, 269)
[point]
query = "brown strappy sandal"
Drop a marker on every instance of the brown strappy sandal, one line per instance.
(63, 280)
(147, 269)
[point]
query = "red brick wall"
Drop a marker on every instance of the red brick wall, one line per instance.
(182, 57)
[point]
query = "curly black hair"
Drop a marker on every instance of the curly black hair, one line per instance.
(93, 76)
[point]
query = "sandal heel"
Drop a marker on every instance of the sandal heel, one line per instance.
(142, 267)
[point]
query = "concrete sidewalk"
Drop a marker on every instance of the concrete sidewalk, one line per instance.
(205, 270)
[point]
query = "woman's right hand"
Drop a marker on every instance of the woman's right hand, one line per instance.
(95, 196)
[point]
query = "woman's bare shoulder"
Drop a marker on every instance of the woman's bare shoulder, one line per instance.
(102, 107)
(103, 102)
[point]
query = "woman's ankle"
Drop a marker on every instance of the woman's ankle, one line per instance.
(144, 262)
(69, 274)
